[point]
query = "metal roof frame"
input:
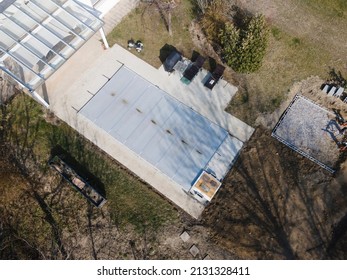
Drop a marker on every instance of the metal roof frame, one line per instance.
(45, 27)
(56, 18)
(38, 36)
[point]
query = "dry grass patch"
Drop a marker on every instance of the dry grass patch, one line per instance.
(146, 24)
(289, 59)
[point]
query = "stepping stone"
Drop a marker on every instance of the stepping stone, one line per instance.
(207, 257)
(185, 236)
(194, 250)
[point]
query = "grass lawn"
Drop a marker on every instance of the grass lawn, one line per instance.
(326, 8)
(289, 59)
(145, 23)
(34, 140)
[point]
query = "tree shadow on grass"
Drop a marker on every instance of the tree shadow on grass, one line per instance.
(338, 231)
(80, 169)
(165, 52)
(241, 17)
(56, 229)
(270, 206)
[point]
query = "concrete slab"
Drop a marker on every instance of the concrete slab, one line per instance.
(185, 236)
(194, 250)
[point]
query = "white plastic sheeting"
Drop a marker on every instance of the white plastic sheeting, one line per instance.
(166, 133)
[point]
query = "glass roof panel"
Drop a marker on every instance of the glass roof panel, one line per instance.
(38, 36)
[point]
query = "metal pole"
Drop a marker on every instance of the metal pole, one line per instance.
(39, 98)
(104, 39)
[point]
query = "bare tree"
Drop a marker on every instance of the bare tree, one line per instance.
(166, 8)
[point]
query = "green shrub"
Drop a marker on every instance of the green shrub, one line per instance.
(244, 49)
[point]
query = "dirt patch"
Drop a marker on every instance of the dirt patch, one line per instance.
(310, 88)
(199, 39)
(276, 204)
(49, 220)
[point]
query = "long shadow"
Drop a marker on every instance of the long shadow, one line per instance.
(165, 52)
(212, 63)
(195, 55)
(196, 9)
(162, 11)
(338, 232)
(257, 206)
(312, 217)
(330, 132)
(133, 249)
(50, 219)
(241, 17)
(342, 158)
(89, 215)
(261, 203)
(12, 245)
(21, 129)
(80, 169)
(45, 92)
(256, 200)
(264, 208)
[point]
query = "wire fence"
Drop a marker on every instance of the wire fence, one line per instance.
(304, 135)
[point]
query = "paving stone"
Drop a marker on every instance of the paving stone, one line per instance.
(194, 250)
(185, 236)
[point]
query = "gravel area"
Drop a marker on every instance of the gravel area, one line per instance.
(311, 129)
